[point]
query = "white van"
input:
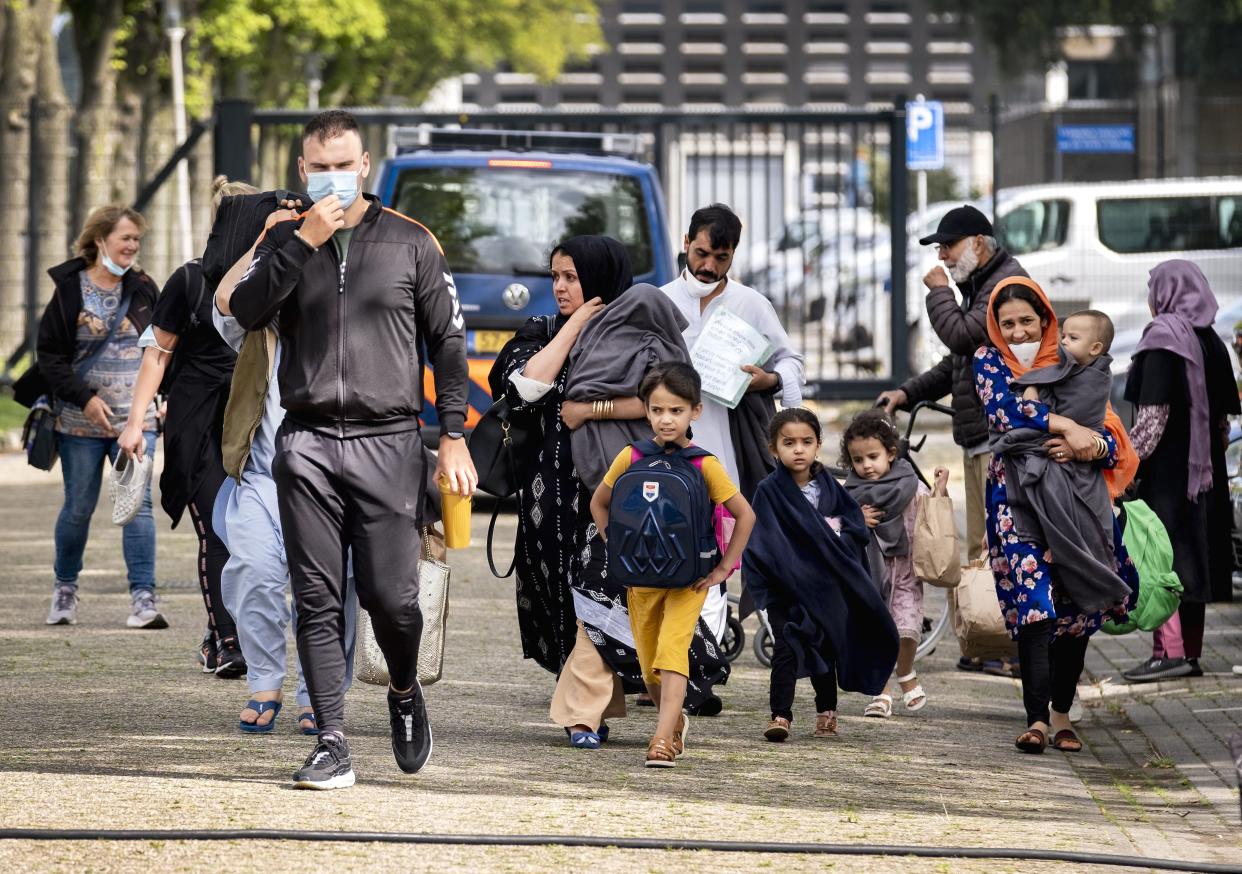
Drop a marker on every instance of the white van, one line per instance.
(1092, 244)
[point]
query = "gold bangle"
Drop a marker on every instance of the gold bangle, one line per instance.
(595, 410)
(609, 412)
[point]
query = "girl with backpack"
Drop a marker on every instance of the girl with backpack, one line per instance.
(671, 481)
(806, 565)
(887, 488)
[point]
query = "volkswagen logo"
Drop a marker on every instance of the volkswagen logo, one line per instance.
(516, 296)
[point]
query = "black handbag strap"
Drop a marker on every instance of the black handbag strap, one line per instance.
(202, 287)
(506, 444)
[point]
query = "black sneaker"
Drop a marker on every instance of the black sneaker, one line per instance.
(1158, 669)
(1195, 670)
(411, 731)
(207, 655)
(328, 767)
(230, 663)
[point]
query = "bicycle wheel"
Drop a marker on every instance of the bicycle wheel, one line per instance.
(935, 620)
(734, 639)
(763, 646)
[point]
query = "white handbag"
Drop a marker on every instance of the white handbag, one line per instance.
(433, 591)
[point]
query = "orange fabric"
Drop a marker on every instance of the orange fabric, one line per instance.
(1120, 476)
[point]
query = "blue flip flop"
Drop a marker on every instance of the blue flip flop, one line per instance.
(314, 729)
(584, 740)
(603, 733)
(260, 707)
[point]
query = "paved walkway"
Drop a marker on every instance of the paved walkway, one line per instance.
(111, 728)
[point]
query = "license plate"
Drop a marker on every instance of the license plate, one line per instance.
(490, 342)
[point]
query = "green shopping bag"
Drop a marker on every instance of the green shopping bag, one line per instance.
(1160, 591)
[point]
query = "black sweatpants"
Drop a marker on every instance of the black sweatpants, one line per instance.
(212, 554)
(364, 493)
(784, 679)
(1050, 669)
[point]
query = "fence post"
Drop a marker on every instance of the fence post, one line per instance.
(232, 150)
(994, 126)
(34, 204)
(898, 197)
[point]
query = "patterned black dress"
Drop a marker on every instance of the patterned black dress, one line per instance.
(558, 549)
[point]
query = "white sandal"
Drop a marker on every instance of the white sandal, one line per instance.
(916, 698)
(881, 707)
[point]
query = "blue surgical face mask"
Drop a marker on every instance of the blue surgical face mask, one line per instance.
(342, 183)
(111, 266)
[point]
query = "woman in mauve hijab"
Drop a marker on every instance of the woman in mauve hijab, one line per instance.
(1181, 382)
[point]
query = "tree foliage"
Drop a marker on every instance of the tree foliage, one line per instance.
(1027, 34)
(371, 50)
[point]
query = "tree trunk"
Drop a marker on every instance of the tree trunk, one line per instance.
(18, 66)
(53, 228)
(95, 29)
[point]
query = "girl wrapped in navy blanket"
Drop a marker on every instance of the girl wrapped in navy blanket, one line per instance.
(888, 490)
(806, 565)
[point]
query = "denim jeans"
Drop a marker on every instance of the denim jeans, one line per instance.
(82, 465)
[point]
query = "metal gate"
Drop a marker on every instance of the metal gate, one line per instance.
(824, 216)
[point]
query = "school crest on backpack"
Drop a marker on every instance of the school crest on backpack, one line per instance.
(660, 522)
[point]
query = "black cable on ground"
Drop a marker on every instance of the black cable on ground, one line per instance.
(623, 843)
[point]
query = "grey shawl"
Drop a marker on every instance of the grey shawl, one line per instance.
(1065, 507)
(890, 493)
(638, 330)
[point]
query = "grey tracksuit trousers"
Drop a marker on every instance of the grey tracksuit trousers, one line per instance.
(363, 493)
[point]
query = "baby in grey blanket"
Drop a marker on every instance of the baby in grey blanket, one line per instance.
(1086, 336)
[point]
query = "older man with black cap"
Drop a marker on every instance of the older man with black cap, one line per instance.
(967, 247)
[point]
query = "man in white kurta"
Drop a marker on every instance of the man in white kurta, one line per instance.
(701, 289)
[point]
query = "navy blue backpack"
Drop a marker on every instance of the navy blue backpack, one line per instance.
(660, 519)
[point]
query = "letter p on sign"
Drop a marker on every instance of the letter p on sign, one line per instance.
(925, 135)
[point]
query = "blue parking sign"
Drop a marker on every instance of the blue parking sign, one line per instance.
(925, 135)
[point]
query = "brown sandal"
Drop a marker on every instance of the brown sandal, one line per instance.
(1067, 741)
(660, 754)
(1032, 741)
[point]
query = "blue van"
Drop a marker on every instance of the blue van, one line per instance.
(498, 201)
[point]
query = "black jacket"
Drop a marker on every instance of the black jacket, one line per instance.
(963, 328)
(353, 335)
(54, 374)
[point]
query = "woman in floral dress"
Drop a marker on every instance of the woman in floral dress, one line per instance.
(1051, 631)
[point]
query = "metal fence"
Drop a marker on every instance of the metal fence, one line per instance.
(825, 231)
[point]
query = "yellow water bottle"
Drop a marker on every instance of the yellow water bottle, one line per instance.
(455, 510)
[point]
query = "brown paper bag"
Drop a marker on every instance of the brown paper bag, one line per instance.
(937, 555)
(977, 619)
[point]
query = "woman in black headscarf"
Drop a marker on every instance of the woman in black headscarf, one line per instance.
(595, 663)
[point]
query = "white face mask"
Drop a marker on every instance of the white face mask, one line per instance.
(1025, 352)
(697, 287)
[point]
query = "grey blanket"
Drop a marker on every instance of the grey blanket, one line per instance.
(1065, 507)
(638, 330)
(890, 494)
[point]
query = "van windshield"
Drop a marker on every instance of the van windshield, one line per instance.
(507, 220)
